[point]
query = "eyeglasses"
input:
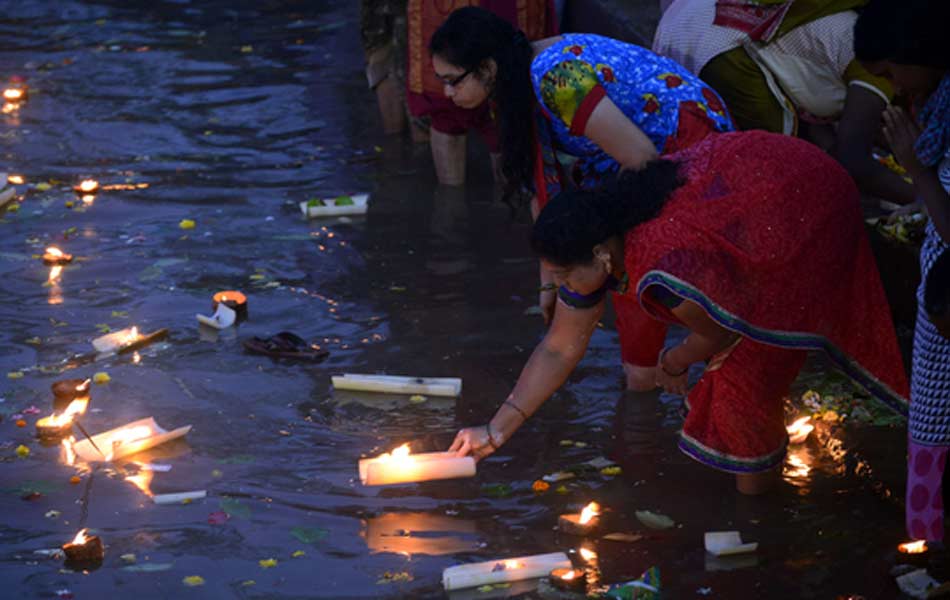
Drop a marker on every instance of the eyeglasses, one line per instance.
(453, 82)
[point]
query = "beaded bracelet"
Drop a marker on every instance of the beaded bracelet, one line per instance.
(663, 367)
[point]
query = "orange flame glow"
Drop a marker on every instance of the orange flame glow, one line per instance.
(68, 450)
(15, 179)
(913, 547)
(142, 480)
(54, 273)
(125, 437)
(569, 575)
(13, 94)
(590, 511)
(88, 185)
(53, 250)
(512, 564)
(588, 555)
(75, 408)
(799, 430)
(88, 199)
(80, 537)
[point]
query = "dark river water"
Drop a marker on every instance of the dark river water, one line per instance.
(232, 113)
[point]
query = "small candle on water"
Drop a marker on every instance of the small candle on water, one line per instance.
(569, 580)
(55, 256)
(234, 300)
(59, 425)
(581, 523)
(799, 430)
(86, 186)
(14, 94)
(914, 553)
(403, 467)
(84, 550)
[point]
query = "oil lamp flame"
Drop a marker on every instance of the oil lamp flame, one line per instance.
(75, 408)
(799, 430)
(54, 251)
(913, 547)
(587, 554)
(82, 387)
(13, 94)
(15, 179)
(569, 575)
(88, 185)
(590, 511)
(80, 537)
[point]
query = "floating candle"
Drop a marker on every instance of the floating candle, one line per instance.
(234, 300)
(334, 207)
(86, 186)
(914, 553)
(84, 550)
(179, 497)
(403, 467)
(59, 425)
(581, 523)
(569, 580)
(799, 430)
(126, 440)
(55, 256)
(727, 543)
(502, 571)
(222, 318)
(126, 340)
(917, 547)
(395, 384)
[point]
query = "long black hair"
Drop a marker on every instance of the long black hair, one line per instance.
(910, 32)
(575, 221)
(467, 39)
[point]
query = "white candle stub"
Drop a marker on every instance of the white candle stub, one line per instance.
(222, 318)
(112, 342)
(179, 497)
(356, 204)
(502, 571)
(726, 543)
(403, 467)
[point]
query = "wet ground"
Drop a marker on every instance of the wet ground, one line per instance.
(231, 113)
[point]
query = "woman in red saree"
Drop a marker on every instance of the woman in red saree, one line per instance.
(752, 241)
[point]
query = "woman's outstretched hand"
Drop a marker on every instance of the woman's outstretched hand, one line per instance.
(474, 441)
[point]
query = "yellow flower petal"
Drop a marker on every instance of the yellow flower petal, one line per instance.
(186, 224)
(101, 378)
(267, 563)
(22, 451)
(298, 554)
(193, 580)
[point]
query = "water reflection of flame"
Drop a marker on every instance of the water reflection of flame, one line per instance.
(142, 480)
(69, 456)
(590, 511)
(587, 554)
(55, 291)
(797, 468)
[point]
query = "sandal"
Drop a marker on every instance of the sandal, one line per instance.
(285, 345)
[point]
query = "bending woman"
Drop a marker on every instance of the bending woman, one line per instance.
(755, 243)
(603, 104)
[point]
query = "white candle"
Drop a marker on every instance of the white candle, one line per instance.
(501, 571)
(402, 467)
(179, 497)
(726, 543)
(126, 440)
(397, 384)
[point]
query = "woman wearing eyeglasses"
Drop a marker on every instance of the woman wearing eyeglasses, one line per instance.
(607, 104)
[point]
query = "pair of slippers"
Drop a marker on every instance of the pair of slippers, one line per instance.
(285, 345)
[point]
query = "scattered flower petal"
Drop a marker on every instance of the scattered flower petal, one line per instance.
(101, 378)
(75, 479)
(218, 517)
(15, 375)
(193, 580)
(20, 423)
(22, 451)
(52, 514)
(128, 558)
(186, 224)
(417, 398)
(267, 563)
(540, 487)
(611, 471)
(298, 554)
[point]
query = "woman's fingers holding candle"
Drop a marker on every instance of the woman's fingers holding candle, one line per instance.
(474, 441)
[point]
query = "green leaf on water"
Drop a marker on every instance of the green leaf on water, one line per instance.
(235, 508)
(343, 201)
(309, 535)
(496, 490)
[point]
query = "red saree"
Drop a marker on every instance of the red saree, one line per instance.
(767, 236)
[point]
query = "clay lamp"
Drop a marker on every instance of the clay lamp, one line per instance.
(57, 426)
(14, 94)
(581, 523)
(234, 300)
(569, 580)
(55, 256)
(67, 390)
(84, 550)
(799, 430)
(913, 553)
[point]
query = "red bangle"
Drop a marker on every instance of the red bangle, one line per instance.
(663, 368)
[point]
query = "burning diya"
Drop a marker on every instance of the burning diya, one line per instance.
(568, 580)
(913, 553)
(67, 390)
(799, 430)
(125, 441)
(403, 467)
(55, 256)
(234, 300)
(86, 186)
(503, 571)
(58, 425)
(581, 523)
(84, 550)
(126, 340)
(15, 94)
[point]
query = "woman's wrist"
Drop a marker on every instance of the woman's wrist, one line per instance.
(669, 366)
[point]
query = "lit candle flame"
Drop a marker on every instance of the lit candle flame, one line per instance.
(55, 251)
(588, 555)
(590, 511)
(512, 564)
(400, 453)
(82, 387)
(80, 537)
(799, 430)
(13, 94)
(913, 547)
(136, 358)
(75, 408)
(15, 179)
(569, 575)
(88, 185)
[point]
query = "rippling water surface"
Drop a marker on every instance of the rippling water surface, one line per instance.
(229, 114)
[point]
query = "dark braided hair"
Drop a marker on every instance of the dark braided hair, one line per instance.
(575, 221)
(467, 39)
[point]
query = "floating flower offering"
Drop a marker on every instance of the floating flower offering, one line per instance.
(799, 430)
(55, 256)
(403, 467)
